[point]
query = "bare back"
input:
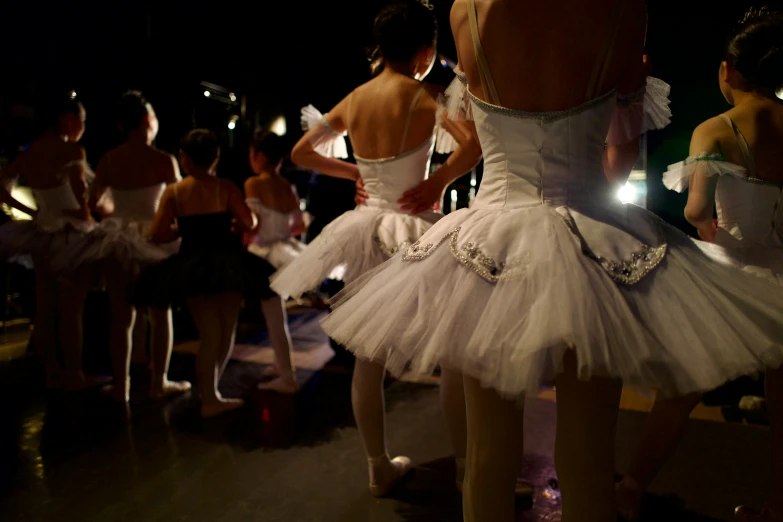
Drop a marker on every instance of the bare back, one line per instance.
(134, 166)
(45, 164)
(273, 191)
(542, 56)
(375, 115)
(760, 124)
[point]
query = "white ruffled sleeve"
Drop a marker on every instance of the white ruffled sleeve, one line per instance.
(325, 140)
(645, 110)
(456, 103)
(677, 176)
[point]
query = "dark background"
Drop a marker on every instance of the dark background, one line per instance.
(282, 55)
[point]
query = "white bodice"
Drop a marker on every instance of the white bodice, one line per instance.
(274, 226)
(386, 180)
(748, 212)
(52, 203)
(137, 205)
(533, 158)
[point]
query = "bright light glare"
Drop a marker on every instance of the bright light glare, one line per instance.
(23, 195)
(627, 193)
(207, 94)
(779, 94)
(73, 95)
(232, 97)
(232, 125)
(278, 126)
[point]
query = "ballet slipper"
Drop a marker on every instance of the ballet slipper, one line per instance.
(213, 409)
(284, 384)
(629, 494)
(116, 392)
(162, 388)
(746, 514)
(385, 473)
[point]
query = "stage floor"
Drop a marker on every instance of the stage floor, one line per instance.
(79, 458)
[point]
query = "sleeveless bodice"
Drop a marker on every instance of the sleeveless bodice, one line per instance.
(386, 180)
(207, 231)
(51, 204)
(274, 226)
(137, 205)
(533, 158)
(749, 211)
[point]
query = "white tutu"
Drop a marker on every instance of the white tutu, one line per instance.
(23, 241)
(112, 245)
(279, 253)
(355, 242)
(501, 295)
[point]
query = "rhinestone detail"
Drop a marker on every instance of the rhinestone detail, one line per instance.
(469, 255)
(325, 124)
(626, 271)
(393, 250)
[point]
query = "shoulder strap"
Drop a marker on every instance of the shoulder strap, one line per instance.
(487, 84)
(409, 117)
(747, 155)
(604, 59)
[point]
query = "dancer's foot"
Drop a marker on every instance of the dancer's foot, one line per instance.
(385, 473)
(629, 499)
(162, 388)
(118, 393)
(283, 384)
(212, 409)
(75, 381)
(746, 514)
(271, 371)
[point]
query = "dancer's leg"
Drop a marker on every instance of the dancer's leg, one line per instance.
(230, 305)
(71, 332)
(494, 456)
(123, 317)
(139, 336)
(584, 448)
(663, 431)
(207, 316)
(277, 325)
(162, 344)
(452, 401)
(45, 322)
(369, 410)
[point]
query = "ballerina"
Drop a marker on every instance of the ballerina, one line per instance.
(547, 277)
(276, 205)
(212, 270)
(55, 167)
(130, 180)
(391, 121)
(734, 165)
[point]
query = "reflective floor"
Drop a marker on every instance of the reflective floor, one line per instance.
(77, 457)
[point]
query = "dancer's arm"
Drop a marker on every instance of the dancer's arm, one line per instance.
(99, 188)
(305, 155)
(163, 229)
(701, 191)
(464, 158)
(77, 178)
(8, 177)
(246, 220)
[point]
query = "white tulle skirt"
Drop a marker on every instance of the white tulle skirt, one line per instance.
(692, 322)
(111, 247)
(279, 253)
(350, 245)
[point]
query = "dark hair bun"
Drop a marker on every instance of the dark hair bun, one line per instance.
(202, 147)
(270, 145)
(401, 29)
(131, 111)
(755, 49)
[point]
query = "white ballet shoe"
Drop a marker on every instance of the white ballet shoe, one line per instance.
(284, 384)
(385, 473)
(167, 388)
(213, 409)
(118, 393)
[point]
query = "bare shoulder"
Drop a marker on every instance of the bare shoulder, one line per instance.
(707, 136)
(459, 14)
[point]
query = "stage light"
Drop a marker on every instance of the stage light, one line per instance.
(207, 94)
(779, 94)
(73, 95)
(23, 195)
(627, 193)
(278, 126)
(232, 125)
(232, 97)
